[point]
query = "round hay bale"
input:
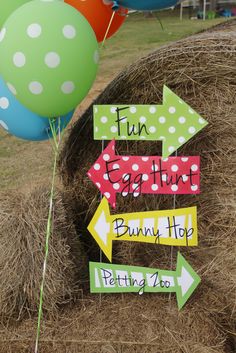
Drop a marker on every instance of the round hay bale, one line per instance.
(128, 324)
(201, 70)
(23, 222)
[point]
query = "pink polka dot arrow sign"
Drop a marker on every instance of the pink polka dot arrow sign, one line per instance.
(176, 227)
(138, 175)
(174, 122)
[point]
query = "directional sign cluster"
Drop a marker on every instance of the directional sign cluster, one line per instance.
(174, 123)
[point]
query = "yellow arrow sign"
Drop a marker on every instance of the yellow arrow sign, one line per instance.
(167, 227)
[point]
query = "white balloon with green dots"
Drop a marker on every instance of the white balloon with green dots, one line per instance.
(49, 56)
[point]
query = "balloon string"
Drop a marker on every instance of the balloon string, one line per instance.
(108, 28)
(160, 22)
(172, 248)
(102, 46)
(54, 131)
(100, 257)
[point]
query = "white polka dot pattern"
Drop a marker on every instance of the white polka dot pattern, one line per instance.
(52, 59)
(35, 87)
(19, 59)
(4, 103)
(69, 32)
(68, 87)
(2, 34)
(34, 30)
(3, 125)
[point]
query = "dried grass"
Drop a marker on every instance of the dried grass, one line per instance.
(127, 324)
(23, 220)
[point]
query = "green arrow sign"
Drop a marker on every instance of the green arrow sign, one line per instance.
(110, 278)
(174, 122)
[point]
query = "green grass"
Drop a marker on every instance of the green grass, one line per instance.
(25, 164)
(139, 36)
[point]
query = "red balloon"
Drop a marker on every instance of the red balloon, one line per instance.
(99, 14)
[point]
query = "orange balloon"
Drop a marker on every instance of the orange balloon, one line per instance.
(99, 14)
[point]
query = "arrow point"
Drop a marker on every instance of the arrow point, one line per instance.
(98, 173)
(187, 281)
(166, 91)
(99, 228)
(110, 196)
(165, 152)
(110, 150)
(185, 121)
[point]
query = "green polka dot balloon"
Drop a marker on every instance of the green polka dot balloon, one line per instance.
(49, 56)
